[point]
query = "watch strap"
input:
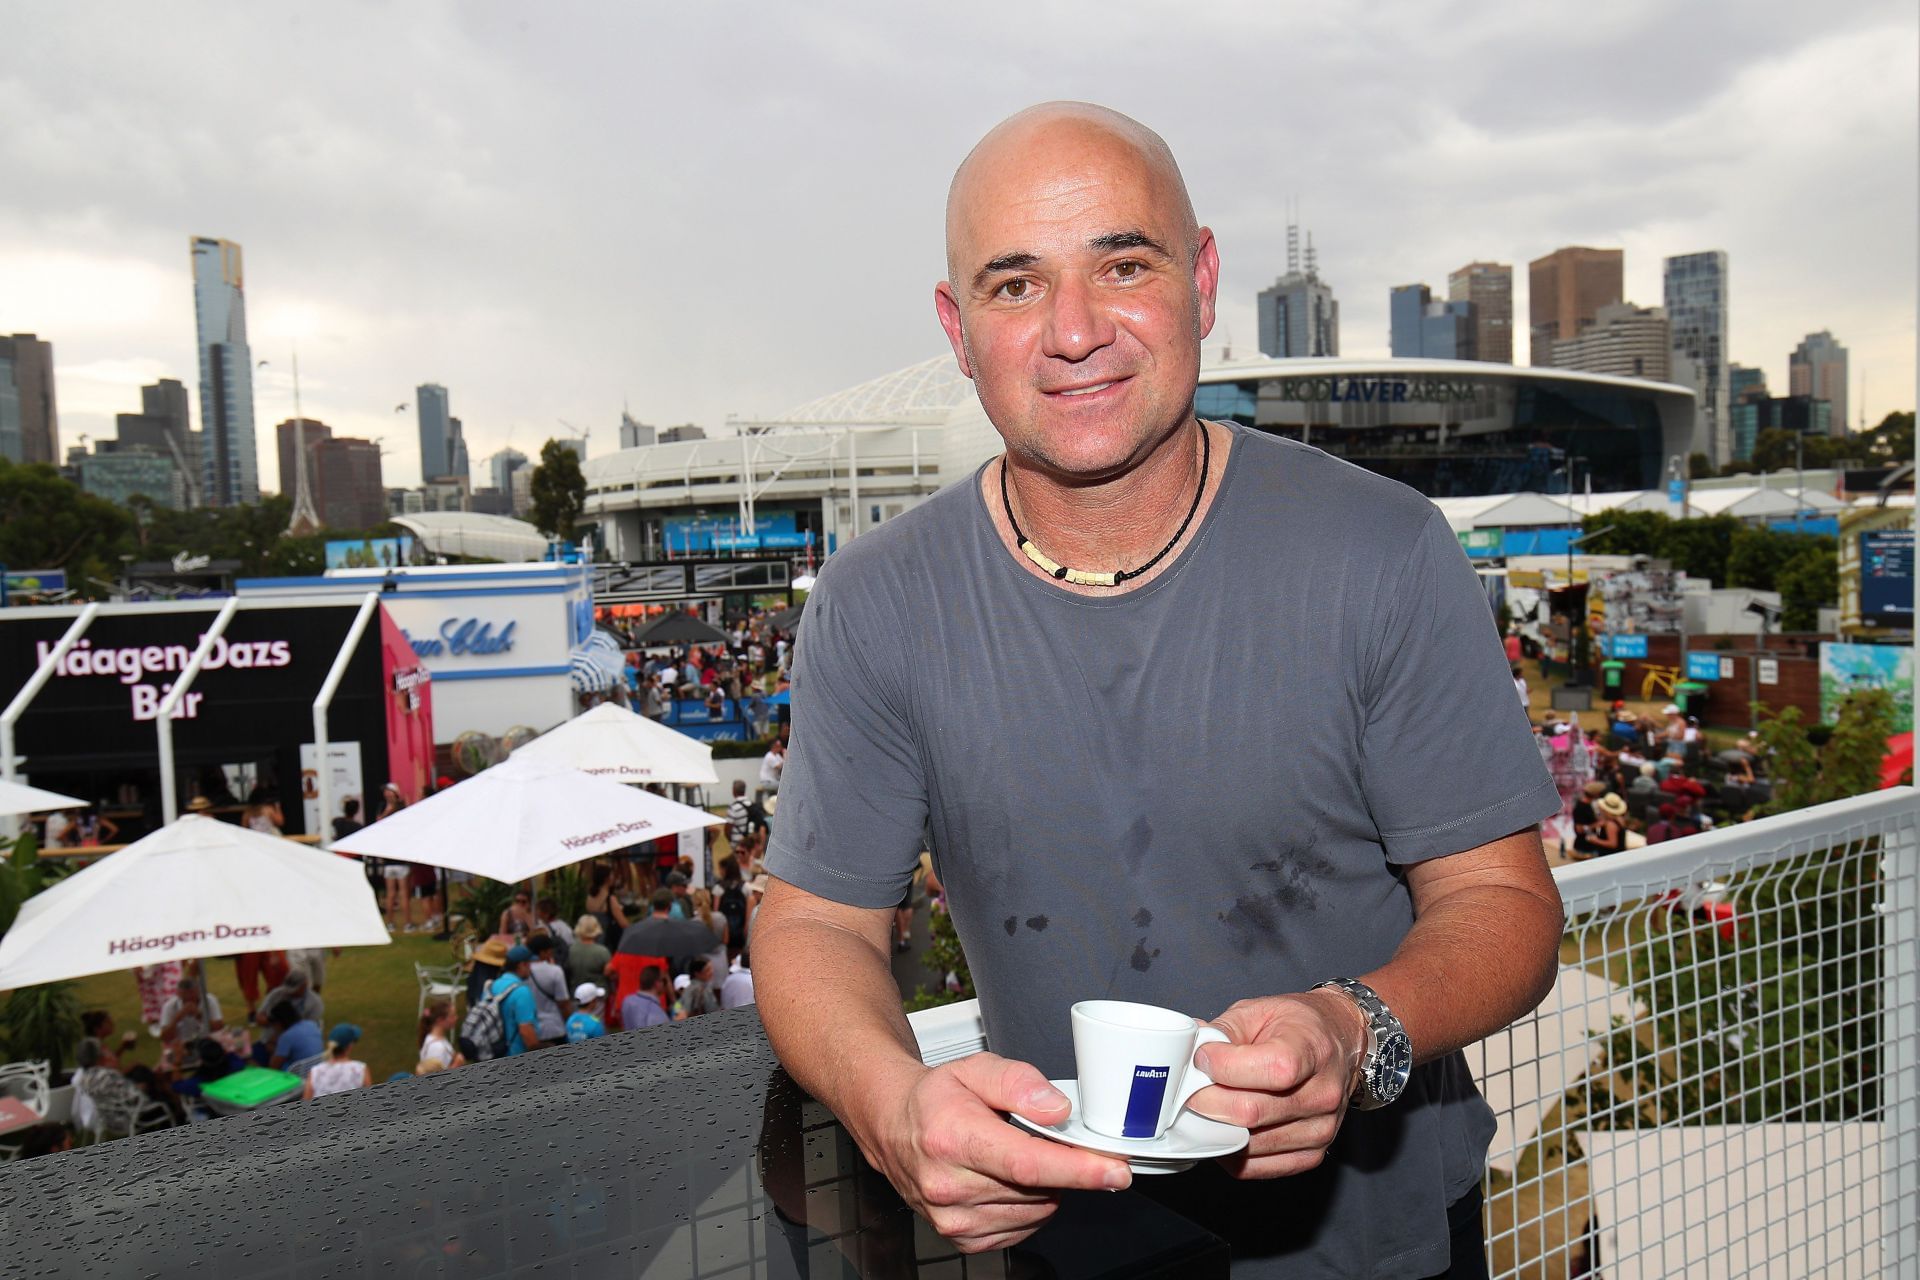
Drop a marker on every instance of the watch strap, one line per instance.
(1381, 1026)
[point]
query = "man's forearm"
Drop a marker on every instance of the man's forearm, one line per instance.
(1471, 964)
(832, 1010)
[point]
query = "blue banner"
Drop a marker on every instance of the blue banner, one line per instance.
(1703, 666)
(1623, 646)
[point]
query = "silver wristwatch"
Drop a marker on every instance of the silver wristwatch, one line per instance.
(1389, 1058)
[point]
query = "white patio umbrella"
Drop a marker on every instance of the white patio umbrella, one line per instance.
(199, 887)
(521, 818)
(615, 743)
(18, 797)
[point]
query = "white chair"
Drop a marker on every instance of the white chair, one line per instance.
(437, 982)
(107, 1104)
(305, 1065)
(26, 1081)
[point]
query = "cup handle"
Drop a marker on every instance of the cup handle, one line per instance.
(1196, 1078)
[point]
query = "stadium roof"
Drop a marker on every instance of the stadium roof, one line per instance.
(470, 533)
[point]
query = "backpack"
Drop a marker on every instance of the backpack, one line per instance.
(733, 905)
(483, 1032)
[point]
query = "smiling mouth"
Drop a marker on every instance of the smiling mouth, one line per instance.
(1092, 389)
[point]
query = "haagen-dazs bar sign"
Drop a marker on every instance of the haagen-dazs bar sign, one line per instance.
(133, 665)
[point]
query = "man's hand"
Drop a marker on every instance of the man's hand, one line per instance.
(981, 1182)
(1293, 1064)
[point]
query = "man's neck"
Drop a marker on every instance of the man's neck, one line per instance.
(1117, 523)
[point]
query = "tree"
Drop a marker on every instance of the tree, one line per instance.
(1699, 466)
(47, 522)
(1810, 580)
(559, 491)
(1892, 440)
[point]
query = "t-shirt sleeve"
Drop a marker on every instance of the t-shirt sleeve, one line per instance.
(1448, 757)
(853, 799)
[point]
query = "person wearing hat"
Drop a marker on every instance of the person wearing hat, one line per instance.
(517, 1008)
(338, 1071)
(199, 804)
(677, 883)
(589, 999)
(1608, 831)
(489, 962)
(588, 957)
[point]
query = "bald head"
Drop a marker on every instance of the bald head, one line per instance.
(1053, 149)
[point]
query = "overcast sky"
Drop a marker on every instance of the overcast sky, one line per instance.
(730, 208)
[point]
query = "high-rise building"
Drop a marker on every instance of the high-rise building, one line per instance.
(1818, 368)
(1625, 340)
(1489, 287)
(501, 467)
(1696, 287)
(672, 435)
(522, 491)
(430, 407)
(1298, 313)
(1565, 290)
(229, 461)
(347, 488)
(1746, 389)
(118, 473)
(165, 424)
(458, 467)
(29, 423)
(314, 432)
(1422, 327)
(634, 435)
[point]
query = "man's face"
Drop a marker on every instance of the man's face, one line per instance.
(1079, 299)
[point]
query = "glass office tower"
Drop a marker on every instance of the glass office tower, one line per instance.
(230, 467)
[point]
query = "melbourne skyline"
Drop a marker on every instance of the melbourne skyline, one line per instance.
(706, 212)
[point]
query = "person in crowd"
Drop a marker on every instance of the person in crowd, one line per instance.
(209, 1061)
(517, 1008)
(652, 705)
(97, 1025)
(551, 1001)
(349, 820)
(188, 1017)
(95, 829)
(59, 830)
(696, 990)
(1583, 814)
(739, 816)
(716, 702)
(394, 876)
(1646, 781)
(700, 907)
(262, 813)
(559, 930)
(294, 1037)
(737, 988)
(424, 889)
(112, 1077)
(731, 903)
(604, 904)
(584, 1023)
(391, 801)
(588, 958)
(518, 919)
(339, 1071)
(296, 989)
(156, 984)
(1520, 686)
(313, 962)
(771, 766)
(676, 882)
(760, 711)
(1607, 832)
(643, 1007)
(436, 1034)
(489, 962)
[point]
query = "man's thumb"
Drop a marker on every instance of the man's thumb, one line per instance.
(1006, 1085)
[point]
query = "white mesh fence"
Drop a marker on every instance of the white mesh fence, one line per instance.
(1723, 1081)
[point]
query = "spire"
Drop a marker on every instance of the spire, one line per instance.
(305, 520)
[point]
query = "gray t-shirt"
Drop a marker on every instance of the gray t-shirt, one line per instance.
(1197, 792)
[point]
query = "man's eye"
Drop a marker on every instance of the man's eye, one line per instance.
(1014, 289)
(1128, 270)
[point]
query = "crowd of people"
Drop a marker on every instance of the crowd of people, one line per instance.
(1644, 780)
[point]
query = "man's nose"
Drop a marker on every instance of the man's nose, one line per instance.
(1076, 325)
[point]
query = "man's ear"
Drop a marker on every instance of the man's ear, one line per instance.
(1206, 278)
(947, 307)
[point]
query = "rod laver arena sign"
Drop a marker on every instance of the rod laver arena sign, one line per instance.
(132, 665)
(168, 941)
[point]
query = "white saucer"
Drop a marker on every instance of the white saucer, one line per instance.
(1190, 1138)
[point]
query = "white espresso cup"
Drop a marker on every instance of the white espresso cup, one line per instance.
(1136, 1065)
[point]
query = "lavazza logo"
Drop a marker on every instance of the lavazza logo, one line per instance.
(131, 665)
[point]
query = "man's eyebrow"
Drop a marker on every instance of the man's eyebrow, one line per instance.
(1127, 240)
(1018, 261)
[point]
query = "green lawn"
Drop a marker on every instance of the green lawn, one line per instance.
(373, 987)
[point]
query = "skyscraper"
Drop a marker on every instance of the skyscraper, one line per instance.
(1625, 340)
(1489, 287)
(29, 423)
(1422, 327)
(1818, 368)
(457, 465)
(1298, 313)
(634, 434)
(346, 483)
(1565, 290)
(1747, 389)
(164, 428)
(230, 468)
(430, 406)
(315, 431)
(1696, 287)
(501, 467)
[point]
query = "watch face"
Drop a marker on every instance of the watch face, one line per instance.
(1391, 1066)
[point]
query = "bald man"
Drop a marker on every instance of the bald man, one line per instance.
(1190, 715)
